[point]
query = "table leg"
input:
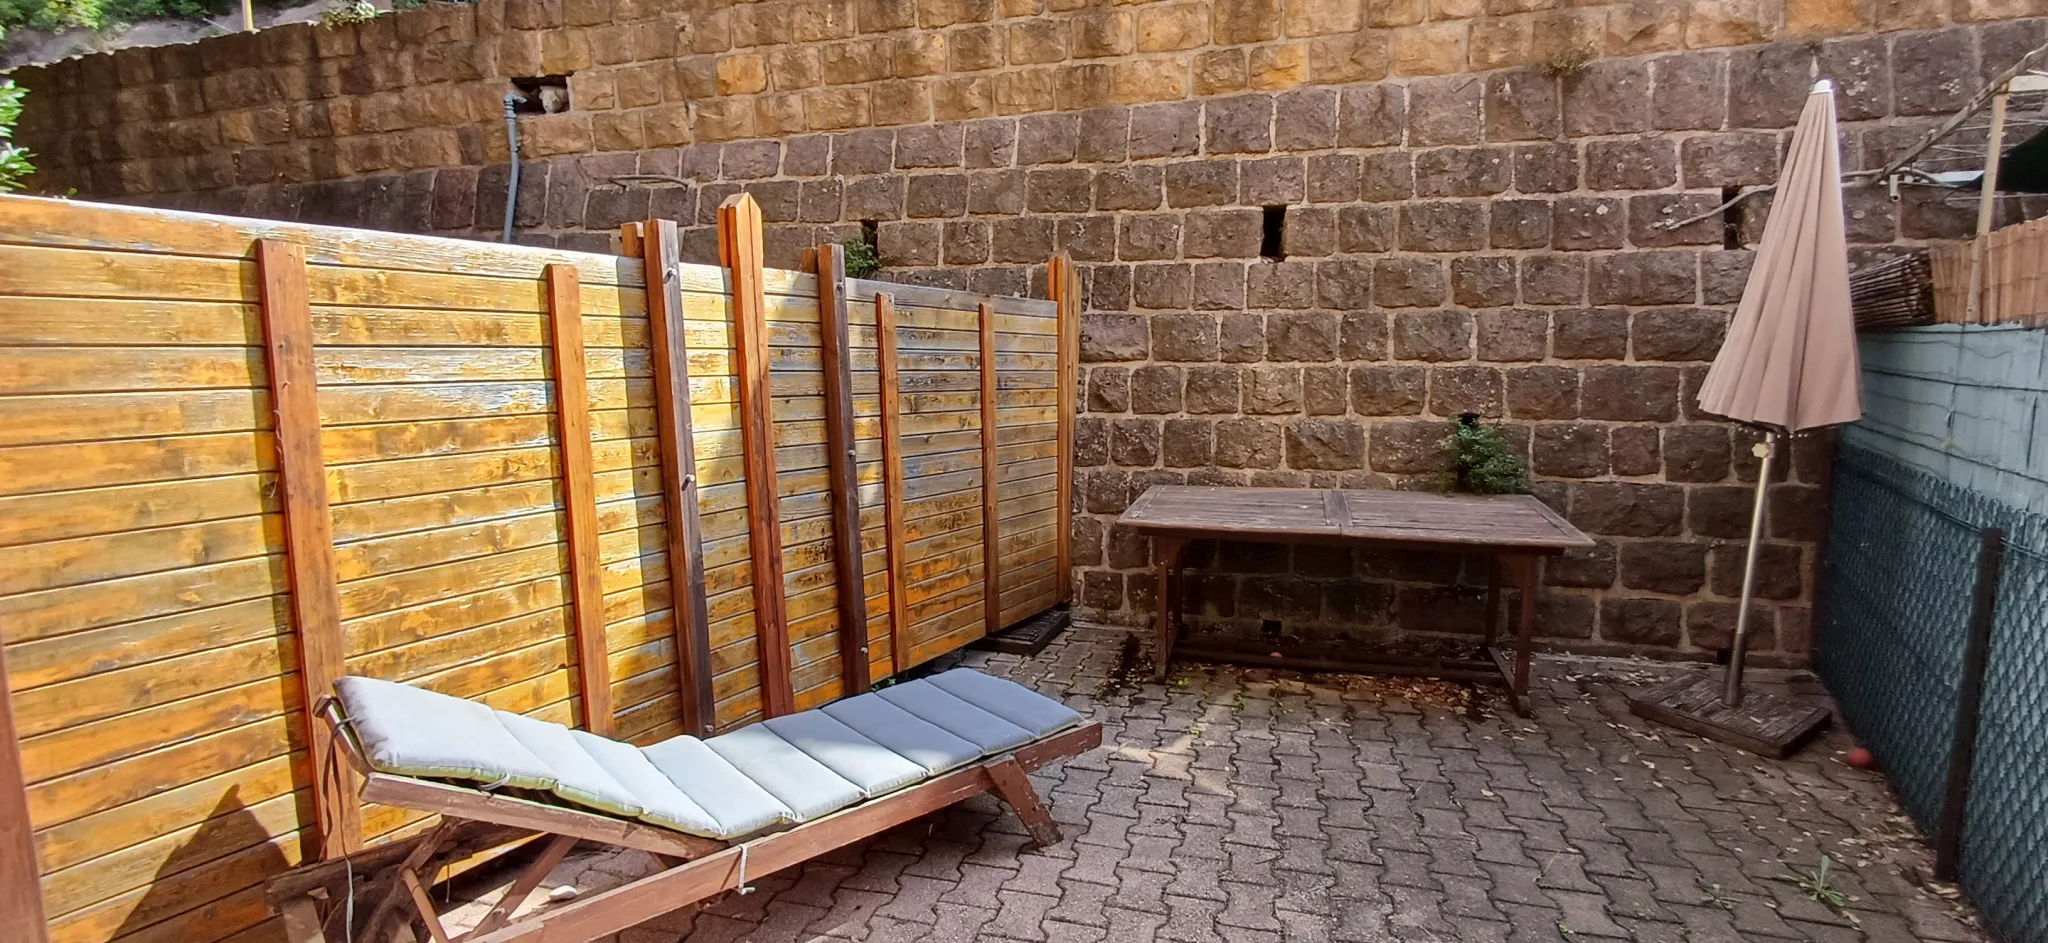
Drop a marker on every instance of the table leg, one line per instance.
(1166, 554)
(1522, 570)
(1492, 598)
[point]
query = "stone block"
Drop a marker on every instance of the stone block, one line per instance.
(1058, 190)
(1085, 238)
(875, 197)
(1445, 110)
(1388, 390)
(1455, 391)
(1546, 168)
(1344, 284)
(1187, 443)
(1516, 334)
(1631, 164)
(1272, 390)
(1411, 447)
(1371, 115)
(1630, 393)
(1569, 450)
(1272, 181)
(871, 151)
(1324, 390)
(1326, 445)
(1759, 80)
(1222, 233)
(989, 143)
(1332, 178)
(1305, 119)
(1645, 278)
(1543, 392)
(1365, 228)
(1165, 130)
(994, 193)
(1156, 389)
(967, 242)
(1862, 71)
(1780, 571)
(1162, 286)
(1626, 509)
(1213, 390)
(1201, 183)
(1650, 214)
(1184, 338)
(1408, 283)
(1432, 335)
(1364, 336)
(1217, 286)
(1286, 284)
(936, 195)
(1656, 622)
(1633, 450)
(1048, 138)
(1309, 231)
(1678, 334)
(1133, 442)
(1585, 568)
(1607, 97)
(1387, 176)
(1462, 171)
(1248, 443)
(1730, 159)
(1691, 92)
(1523, 105)
(1301, 336)
(1240, 124)
(1431, 49)
(1241, 338)
(1590, 334)
(1578, 224)
(1443, 226)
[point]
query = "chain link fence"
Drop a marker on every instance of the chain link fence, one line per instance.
(1898, 582)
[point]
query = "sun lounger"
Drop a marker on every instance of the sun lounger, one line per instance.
(716, 812)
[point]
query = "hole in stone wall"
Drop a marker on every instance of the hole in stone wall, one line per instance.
(544, 94)
(868, 233)
(1273, 238)
(1731, 219)
(1271, 627)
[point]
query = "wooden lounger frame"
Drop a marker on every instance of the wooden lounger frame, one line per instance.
(390, 879)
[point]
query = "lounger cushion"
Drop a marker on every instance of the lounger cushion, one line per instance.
(661, 802)
(874, 768)
(733, 801)
(908, 735)
(1009, 700)
(409, 731)
(989, 733)
(579, 778)
(789, 769)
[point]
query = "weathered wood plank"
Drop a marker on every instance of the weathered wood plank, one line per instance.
(1066, 292)
(672, 365)
(990, 476)
(21, 893)
(309, 537)
(572, 402)
(892, 482)
(844, 477)
(740, 249)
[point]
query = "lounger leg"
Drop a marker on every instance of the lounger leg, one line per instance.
(500, 915)
(1016, 790)
(420, 855)
(424, 903)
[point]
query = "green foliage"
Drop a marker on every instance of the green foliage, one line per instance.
(861, 260)
(359, 11)
(99, 14)
(1481, 460)
(14, 163)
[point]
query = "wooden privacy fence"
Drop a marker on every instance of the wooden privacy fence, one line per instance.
(239, 459)
(2014, 282)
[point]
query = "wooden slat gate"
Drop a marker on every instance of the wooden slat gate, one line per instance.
(239, 459)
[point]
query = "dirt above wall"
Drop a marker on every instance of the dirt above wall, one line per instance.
(1310, 234)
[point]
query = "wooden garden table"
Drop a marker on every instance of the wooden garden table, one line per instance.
(1514, 531)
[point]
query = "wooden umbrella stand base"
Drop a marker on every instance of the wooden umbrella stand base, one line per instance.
(1762, 723)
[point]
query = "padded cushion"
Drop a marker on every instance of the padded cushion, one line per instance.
(909, 735)
(409, 731)
(803, 784)
(1009, 700)
(733, 801)
(789, 769)
(989, 733)
(579, 777)
(876, 769)
(661, 802)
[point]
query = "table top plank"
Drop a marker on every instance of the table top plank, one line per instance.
(1516, 521)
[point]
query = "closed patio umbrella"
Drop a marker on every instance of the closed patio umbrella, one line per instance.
(1789, 361)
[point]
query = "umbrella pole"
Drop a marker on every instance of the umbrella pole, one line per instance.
(1731, 694)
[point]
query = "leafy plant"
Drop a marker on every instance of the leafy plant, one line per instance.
(861, 260)
(99, 14)
(14, 163)
(360, 11)
(1715, 896)
(1481, 460)
(1816, 883)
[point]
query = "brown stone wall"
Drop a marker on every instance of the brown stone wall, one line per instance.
(1469, 194)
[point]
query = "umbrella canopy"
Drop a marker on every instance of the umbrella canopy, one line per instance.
(1790, 358)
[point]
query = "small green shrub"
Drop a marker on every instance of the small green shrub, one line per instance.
(14, 163)
(861, 260)
(1481, 460)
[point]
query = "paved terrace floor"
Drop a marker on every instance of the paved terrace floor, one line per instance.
(1251, 805)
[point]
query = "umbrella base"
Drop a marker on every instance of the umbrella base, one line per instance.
(1762, 723)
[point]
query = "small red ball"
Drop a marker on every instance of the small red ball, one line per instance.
(1861, 758)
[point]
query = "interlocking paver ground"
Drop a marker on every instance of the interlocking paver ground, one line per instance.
(1253, 805)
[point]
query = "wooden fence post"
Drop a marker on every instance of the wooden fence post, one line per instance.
(1065, 287)
(662, 253)
(579, 496)
(842, 475)
(991, 586)
(892, 480)
(21, 889)
(309, 538)
(739, 247)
